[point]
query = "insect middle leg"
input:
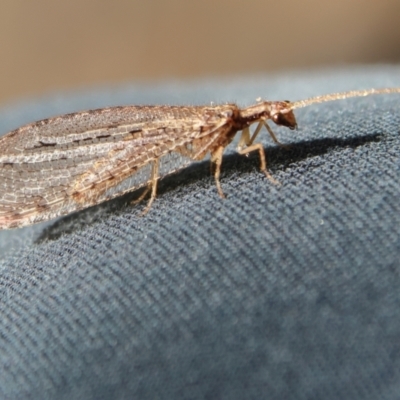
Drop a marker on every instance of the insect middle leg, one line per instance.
(216, 160)
(247, 141)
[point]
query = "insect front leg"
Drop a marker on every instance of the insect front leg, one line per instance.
(246, 140)
(274, 138)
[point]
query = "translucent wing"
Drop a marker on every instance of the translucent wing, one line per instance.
(64, 164)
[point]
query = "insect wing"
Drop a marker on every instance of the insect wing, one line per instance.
(68, 163)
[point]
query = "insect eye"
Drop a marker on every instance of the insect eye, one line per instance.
(276, 118)
(285, 119)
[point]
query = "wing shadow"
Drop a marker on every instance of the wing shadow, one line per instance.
(200, 171)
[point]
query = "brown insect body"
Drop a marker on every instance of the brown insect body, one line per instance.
(279, 112)
(64, 164)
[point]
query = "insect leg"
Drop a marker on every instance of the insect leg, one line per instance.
(245, 139)
(272, 134)
(151, 186)
(216, 159)
(142, 196)
(258, 147)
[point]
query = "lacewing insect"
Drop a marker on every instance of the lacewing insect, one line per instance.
(64, 164)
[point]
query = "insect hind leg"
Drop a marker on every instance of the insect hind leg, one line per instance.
(152, 185)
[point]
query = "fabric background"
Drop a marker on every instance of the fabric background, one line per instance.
(276, 292)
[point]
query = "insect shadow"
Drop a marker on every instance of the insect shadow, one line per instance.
(278, 158)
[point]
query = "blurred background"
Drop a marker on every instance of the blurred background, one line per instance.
(49, 46)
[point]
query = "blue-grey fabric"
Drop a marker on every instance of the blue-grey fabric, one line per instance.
(288, 291)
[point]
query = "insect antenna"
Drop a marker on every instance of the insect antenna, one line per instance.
(341, 96)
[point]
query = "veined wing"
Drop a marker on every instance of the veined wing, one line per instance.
(67, 163)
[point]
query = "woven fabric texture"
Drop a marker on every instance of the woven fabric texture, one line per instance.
(288, 291)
